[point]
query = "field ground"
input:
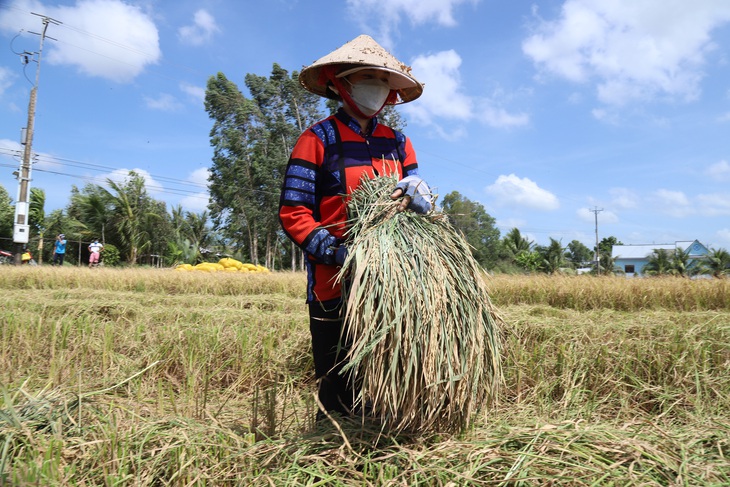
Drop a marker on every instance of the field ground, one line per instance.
(154, 377)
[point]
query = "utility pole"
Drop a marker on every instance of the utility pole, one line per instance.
(21, 227)
(596, 211)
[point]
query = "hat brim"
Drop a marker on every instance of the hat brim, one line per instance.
(361, 53)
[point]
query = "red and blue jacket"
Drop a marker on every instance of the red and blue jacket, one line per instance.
(326, 165)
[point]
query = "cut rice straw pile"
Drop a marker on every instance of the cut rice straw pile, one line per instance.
(425, 337)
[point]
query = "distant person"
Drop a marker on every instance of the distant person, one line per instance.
(26, 257)
(59, 250)
(95, 249)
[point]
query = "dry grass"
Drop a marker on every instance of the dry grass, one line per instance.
(606, 394)
(618, 293)
(425, 337)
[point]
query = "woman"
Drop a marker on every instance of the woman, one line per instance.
(328, 161)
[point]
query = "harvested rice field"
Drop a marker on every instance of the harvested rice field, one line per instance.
(156, 377)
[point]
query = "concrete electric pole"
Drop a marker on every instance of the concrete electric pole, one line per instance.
(21, 227)
(598, 257)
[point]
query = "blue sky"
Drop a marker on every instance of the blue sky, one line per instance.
(541, 111)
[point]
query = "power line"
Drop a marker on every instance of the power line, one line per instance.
(98, 167)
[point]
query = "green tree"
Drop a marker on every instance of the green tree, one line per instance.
(93, 207)
(717, 263)
(7, 216)
(179, 247)
(515, 244)
(552, 256)
(659, 264)
(578, 254)
(37, 219)
(252, 139)
(529, 260)
(391, 117)
(681, 263)
(110, 256)
(124, 217)
(605, 255)
(477, 226)
(131, 207)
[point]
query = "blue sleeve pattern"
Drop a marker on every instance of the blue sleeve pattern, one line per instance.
(299, 184)
(321, 245)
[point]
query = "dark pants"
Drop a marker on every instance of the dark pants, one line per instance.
(58, 258)
(325, 325)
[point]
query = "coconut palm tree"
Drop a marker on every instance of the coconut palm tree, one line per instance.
(716, 263)
(660, 263)
(130, 210)
(37, 217)
(516, 244)
(681, 263)
(553, 256)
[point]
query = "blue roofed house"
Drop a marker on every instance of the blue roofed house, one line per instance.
(632, 258)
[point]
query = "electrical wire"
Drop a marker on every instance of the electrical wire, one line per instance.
(103, 168)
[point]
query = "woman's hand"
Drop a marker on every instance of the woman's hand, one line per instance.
(415, 193)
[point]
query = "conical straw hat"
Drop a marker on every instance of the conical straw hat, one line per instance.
(361, 53)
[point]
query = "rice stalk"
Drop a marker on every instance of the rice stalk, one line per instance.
(49, 409)
(425, 336)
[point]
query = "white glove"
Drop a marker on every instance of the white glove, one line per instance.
(416, 194)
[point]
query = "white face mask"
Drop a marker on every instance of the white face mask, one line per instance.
(369, 95)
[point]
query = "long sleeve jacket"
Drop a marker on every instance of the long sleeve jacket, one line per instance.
(326, 165)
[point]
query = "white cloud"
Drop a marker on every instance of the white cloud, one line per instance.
(633, 50)
(201, 31)
(11, 153)
(724, 235)
(195, 92)
(164, 102)
(418, 12)
(679, 205)
(624, 198)
(498, 117)
(103, 38)
(671, 197)
(714, 204)
(6, 79)
(444, 97)
(512, 190)
(607, 216)
(8, 145)
(720, 171)
(196, 203)
(673, 203)
(508, 224)
(200, 176)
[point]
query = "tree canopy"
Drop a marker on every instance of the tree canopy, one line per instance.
(252, 138)
(477, 226)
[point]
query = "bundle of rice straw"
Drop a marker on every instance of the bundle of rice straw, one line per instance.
(425, 336)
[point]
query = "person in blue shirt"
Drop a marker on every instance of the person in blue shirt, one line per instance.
(59, 250)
